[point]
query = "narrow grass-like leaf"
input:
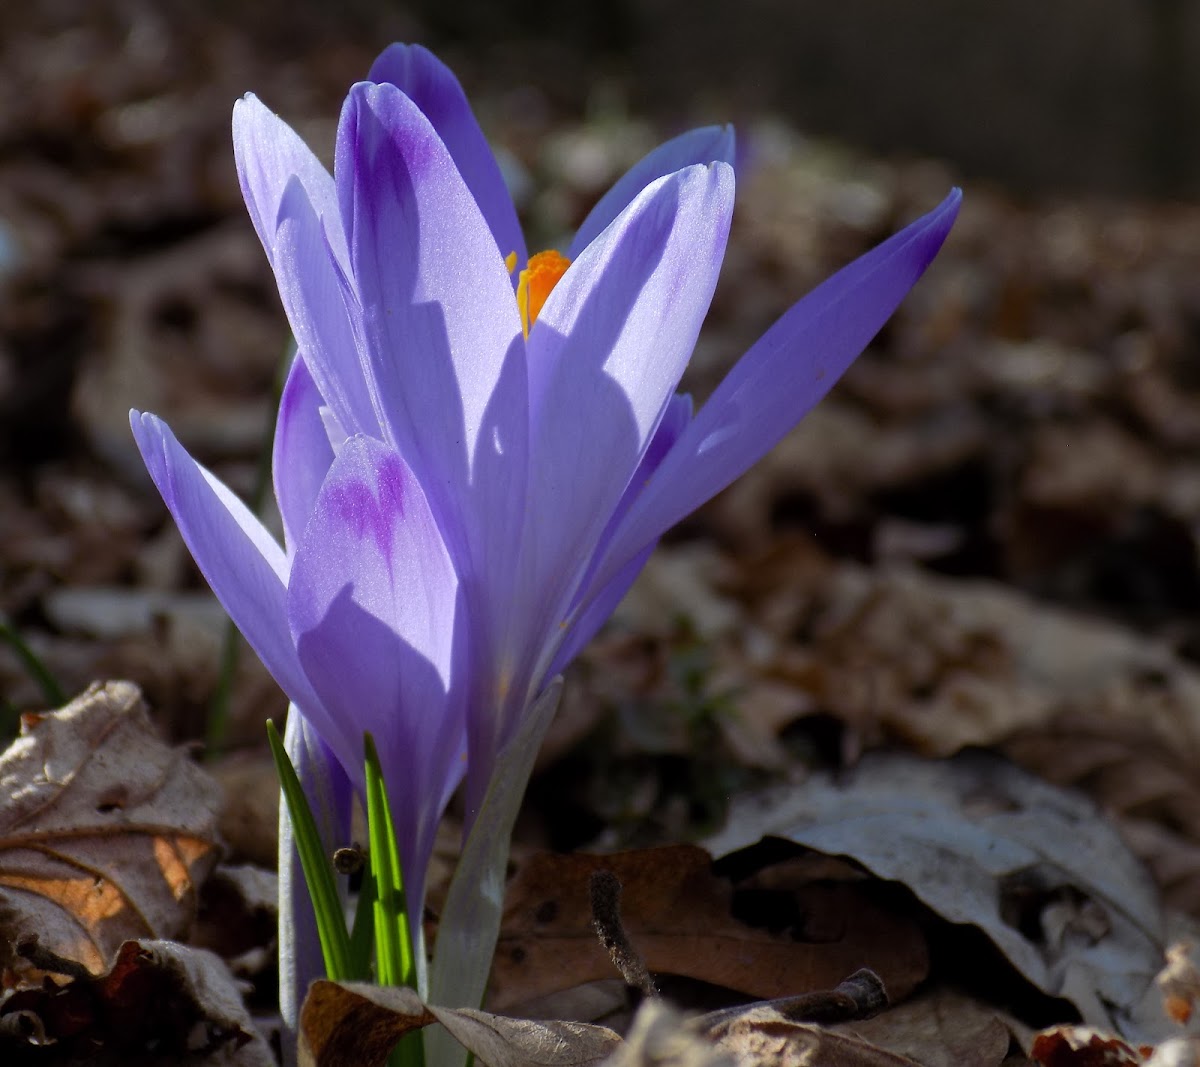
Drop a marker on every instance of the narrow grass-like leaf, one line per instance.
(318, 871)
(394, 959)
(362, 933)
(470, 923)
(51, 691)
(388, 906)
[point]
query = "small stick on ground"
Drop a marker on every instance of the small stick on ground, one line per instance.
(605, 888)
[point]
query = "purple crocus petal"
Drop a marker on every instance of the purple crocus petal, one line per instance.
(708, 144)
(269, 154)
(605, 356)
(438, 322)
(780, 378)
(301, 453)
(329, 795)
(592, 605)
(432, 86)
(373, 607)
(241, 561)
(312, 293)
(598, 610)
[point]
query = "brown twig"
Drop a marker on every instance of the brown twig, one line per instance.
(605, 889)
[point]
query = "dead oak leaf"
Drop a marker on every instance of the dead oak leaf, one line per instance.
(105, 832)
(677, 914)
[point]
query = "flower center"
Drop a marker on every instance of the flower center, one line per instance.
(535, 282)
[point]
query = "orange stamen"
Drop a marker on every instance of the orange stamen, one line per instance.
(535, 283)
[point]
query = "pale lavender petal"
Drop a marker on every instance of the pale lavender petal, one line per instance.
(268, 154)
(605, 356)
(432, 86)
(594, 605)
(311, 289)
(245, 566)
(597, 609)
(301, 454)
(780, 378)
(329, 795)
(440, 327)
(373, 605)
(705, 145)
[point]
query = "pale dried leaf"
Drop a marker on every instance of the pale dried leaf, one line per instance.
(778, 1043)
(500, 1041)
(1176, 1052)
(982, 842)
(940, 1028)
(105, 832)
(353, 1023)
(661, 1036)
(1179, 982)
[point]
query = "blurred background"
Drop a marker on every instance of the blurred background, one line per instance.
(1030, 420)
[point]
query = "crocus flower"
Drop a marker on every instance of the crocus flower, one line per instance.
(477, 451)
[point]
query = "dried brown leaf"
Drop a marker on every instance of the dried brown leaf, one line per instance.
(105, 832)
(159, 1003)
(940, 1028)
(945, 664)
(1083, 1046)
(984, 843)
(352, 1023)
(1146, 780)
(677, 914)
(779, 1043)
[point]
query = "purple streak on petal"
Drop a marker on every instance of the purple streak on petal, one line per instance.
(705, 145)
(373, 605)
(302, 453)
(242, 562)
(268, 154)
(432, 86)
(312, 295)
(605, 356)
(329, 795)
(781, 377)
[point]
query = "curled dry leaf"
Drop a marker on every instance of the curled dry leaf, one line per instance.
(982, 842)
(677, 915)
(1179, 983)
(352, 1024)
(105, 832)
(939, 1028)
(159, 1003)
